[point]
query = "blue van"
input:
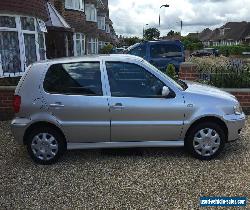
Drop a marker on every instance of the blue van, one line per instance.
(160, 53)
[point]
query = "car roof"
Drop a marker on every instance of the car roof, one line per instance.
(154, 42)
(90, 58)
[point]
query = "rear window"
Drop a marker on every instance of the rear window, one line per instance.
(74, 79)
(165, 50)
(139, 51)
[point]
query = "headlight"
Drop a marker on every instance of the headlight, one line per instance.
(238, 109)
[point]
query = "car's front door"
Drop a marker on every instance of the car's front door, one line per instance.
(74, 94)
(138, 110)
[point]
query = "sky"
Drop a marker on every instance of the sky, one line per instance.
(130, 16)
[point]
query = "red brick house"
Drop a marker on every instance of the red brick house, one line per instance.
(33, 30)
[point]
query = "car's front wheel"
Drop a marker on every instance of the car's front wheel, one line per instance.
(45, 145)
(205, 141)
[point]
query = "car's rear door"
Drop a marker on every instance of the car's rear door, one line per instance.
(75, 97)
(138, 110)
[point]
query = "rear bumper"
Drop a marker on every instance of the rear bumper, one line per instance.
(18, 128)
(234, 123)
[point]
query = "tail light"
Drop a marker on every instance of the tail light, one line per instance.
(17, 103)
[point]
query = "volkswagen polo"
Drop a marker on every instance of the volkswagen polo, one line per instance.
(118, 101)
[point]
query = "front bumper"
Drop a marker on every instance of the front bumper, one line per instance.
(234, 123)
(18, 128)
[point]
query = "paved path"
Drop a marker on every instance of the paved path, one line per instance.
(135, 178)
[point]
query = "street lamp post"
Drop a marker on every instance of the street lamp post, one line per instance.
(144, 30)
(164, 5)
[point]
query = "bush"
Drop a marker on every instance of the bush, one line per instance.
(191, 43)
(170, 71)
(9, 81)
(233, 50)
(107, 49)
(223, 72)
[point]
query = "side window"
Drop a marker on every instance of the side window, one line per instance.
(131, 80)
(139, 51)
(165, 50)
(74, 79)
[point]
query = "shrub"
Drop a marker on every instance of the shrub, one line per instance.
(9, 81)
(223, 72)
(107, 49)
(233, 50)
(170, 71)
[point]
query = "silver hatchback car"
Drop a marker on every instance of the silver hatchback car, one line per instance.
(118, 101)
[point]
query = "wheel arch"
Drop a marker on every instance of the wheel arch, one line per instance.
(41, 124)
(212, 119)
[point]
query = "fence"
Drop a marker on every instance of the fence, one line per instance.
(232, 73)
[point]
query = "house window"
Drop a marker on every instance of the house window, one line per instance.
(101, 23)
(79, 44)
(93, 46)
(7, 21)
(91, 13)
(21, 43)
(28, 23)
(9, 52)
(42, 50)
(74, 4)
(107, 28)
(101, 45)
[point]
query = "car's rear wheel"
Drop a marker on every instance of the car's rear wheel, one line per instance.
(45, 145)
(205, 141)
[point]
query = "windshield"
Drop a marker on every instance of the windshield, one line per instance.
(179, 83)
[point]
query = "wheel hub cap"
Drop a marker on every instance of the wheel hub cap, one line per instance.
(206, 142)
(44, 146)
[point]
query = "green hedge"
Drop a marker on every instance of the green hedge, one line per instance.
(9, 81)
(233, 50)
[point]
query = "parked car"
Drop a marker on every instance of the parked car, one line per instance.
(118, 101)
(201, 53)
(206, 52)
(118, 50)
(214, 51)
(160, 53)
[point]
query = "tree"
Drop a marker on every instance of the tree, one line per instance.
(128, 41)
(191, 43)
(173, 33)
(107, 49)
(170, 71)
(151, 34)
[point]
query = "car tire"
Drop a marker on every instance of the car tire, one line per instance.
(45, 145)
(205, 141)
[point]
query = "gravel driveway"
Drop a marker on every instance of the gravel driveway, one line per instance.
(120, 179)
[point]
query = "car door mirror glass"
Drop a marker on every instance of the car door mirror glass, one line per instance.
(165, 91)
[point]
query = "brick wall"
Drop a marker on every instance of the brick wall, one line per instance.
(6, 98)
(35, 8)
(188, 71)
(77, 20)
(243, 95)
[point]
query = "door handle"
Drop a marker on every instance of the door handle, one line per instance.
(57, 105)
(118, 106)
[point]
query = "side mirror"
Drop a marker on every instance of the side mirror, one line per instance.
(165, 91)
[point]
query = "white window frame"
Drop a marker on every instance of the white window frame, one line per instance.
(93, 45)
(74, 3)
(91, 13)
(107, 28)
(21, 33)
(101, 44)
(82, 41)
(101, 23)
